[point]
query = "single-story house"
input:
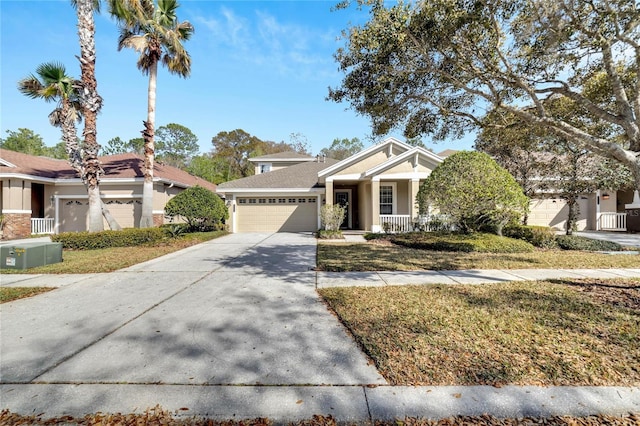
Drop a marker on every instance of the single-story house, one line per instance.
(378, 185)
(40, 195)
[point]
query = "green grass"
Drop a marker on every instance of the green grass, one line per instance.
(112, 259)
(384, 256)
(7, 294)
(534, 333)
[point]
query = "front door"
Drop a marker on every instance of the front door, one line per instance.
(341, 197)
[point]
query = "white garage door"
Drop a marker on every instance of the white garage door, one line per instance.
(553, 212)
(276, 214)
(73, 215)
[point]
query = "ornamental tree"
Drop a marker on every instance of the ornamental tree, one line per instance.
(200, 208)
(435, 67)
(474, 191)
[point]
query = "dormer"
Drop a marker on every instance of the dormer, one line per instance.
(270, 162)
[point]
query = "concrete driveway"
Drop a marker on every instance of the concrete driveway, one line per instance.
(241, 309)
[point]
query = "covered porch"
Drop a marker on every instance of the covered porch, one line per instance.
(376, 205)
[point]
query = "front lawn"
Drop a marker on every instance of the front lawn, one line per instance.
(384, 256)
(570, 332)
(114, 258)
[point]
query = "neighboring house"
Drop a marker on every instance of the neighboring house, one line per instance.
(378, 186)
(602, 210)
(40, 195)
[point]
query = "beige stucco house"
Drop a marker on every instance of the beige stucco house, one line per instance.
(378, 186)
(40, 195)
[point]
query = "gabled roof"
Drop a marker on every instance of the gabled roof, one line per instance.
(416, 152)
(446, 153)
(283, 156)
(119, 166)
(386, 144)
(303, 176)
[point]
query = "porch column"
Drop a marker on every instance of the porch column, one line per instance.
(329, 192)
(414, 186)
(598, 194)
(375, 205)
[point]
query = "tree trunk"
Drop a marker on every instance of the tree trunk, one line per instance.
(91, 104)
(113, 224)
(572, 203)
(146, 220)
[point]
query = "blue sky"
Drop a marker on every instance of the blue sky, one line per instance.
(261, 66)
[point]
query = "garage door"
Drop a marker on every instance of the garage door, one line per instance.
(269, 214)
(553, 212)
(73, 215)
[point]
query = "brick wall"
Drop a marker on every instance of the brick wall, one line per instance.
(16, 225)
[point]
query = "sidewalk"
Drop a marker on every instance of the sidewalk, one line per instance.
(184, 337)
(469, 276)
(283, 404)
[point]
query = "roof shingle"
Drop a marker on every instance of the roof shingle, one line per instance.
(298, 176)
(117, 166)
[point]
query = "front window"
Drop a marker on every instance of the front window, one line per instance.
(265, 167)
(386, 199)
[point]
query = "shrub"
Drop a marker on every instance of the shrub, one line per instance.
(474, 191)
(477, 242)
(332, 216)
(576, 242)
(376, 236)
(96, 240)
(539, 236)
(325, 234)
(200, 208)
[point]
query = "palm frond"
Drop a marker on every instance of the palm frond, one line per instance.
(31, 87)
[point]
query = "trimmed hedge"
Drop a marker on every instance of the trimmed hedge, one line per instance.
(476, 242)
(96, 240)
(576, 242)
(539, 236)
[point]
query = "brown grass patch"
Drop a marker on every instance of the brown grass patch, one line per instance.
(386, 257)
(112, 259)
(531, 333)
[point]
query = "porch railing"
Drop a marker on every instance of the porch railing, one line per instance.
(396, 223)
(612, 222)
(42, 225)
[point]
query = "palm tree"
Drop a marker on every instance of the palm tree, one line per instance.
(155, 33)
(52, 83)
(91, 104)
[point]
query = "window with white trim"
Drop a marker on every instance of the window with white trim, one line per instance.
(264, 167)
(386, 199)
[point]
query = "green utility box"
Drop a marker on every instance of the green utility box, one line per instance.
(29, 255)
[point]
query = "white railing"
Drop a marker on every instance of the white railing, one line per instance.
(612, 222)
(395, 223)
(42, 225)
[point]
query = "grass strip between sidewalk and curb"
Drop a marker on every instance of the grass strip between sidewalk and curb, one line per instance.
(389, 257)
(562, 332)
(159, 416)
(7, 294)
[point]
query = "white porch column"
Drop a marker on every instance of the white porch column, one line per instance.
(414, 186)
(329, 191)
(598, 195)
(375, 205)
(234, 215)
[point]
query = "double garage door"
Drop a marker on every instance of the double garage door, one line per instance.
(276, 214)
(73, 214)
(554, 212)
